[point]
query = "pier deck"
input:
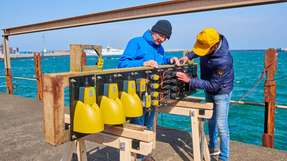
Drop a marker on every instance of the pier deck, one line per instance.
(21, 139)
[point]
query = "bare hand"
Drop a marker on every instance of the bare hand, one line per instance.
(183, 60)
(174, 60)
(183, 77)
(151, 63)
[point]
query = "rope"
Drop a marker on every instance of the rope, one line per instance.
(255, 85)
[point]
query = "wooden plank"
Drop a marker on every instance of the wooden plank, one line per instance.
(90, 68)
(108, 71)
(195, 105)
(125, 149)
(75, 58)
(134, 127)
(146, 135)
(195, 135)
(53, 111)
(81, 150)
(129, 131)
(110, 140)
(68, 151)
(203, 142)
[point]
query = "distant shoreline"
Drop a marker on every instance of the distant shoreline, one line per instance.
(67, 52)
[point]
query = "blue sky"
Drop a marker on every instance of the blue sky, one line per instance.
(258, 27)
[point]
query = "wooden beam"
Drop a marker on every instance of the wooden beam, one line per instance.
(145, 148)
(194, 105)
(127, 130)
(207, 114)
(53, 122)
(137, 12)
(146, 135)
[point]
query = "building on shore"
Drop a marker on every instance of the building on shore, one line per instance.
(11, 50)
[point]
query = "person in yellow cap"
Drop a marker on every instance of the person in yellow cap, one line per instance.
(217, 75)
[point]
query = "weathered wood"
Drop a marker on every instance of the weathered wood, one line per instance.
(81, 150)
(134, 127)
(125, 150)
(53, 121)
(78, 57)
(75, 58)
(194, 105)
(68, 151)
(114, 141)
(131, 131)
(146, 135)
(270, 66)
(185, 111)
(195, 135)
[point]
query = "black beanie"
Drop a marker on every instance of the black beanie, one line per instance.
(162, 27)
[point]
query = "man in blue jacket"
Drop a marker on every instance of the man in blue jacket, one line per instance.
(217, 75)
(148, 51)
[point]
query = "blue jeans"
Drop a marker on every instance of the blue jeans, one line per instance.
(218, 124)
(146, 119)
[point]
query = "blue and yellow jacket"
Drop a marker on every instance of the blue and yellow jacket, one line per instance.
(141, 49)
(216, 71)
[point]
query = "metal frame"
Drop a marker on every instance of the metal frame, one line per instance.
(137, 12)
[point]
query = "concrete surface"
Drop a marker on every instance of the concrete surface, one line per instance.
(21, 139)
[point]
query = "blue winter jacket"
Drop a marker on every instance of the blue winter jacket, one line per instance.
(216, 71)
(141, 49)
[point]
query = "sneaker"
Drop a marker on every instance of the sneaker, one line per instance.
(214, 151)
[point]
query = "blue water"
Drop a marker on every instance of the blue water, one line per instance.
(246, 122)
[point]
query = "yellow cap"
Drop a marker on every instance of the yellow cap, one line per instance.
(205, 40)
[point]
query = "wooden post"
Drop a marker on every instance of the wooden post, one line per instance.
(81, 150)
(53, 122)
(270, 66)
(195, 135)
(39, 76)
(9, 83)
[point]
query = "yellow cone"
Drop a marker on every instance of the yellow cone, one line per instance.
(132, 105)
(111, 107)
(87, 119)
(130, 100)
(112, 111)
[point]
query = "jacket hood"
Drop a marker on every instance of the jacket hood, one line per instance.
(223, 48)
(148, 37)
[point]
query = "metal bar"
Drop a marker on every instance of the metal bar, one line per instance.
(9, 83)
(39, 76)
(137, 12)
(243, 102)
(270, 66)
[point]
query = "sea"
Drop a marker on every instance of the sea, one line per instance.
(246, 122)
